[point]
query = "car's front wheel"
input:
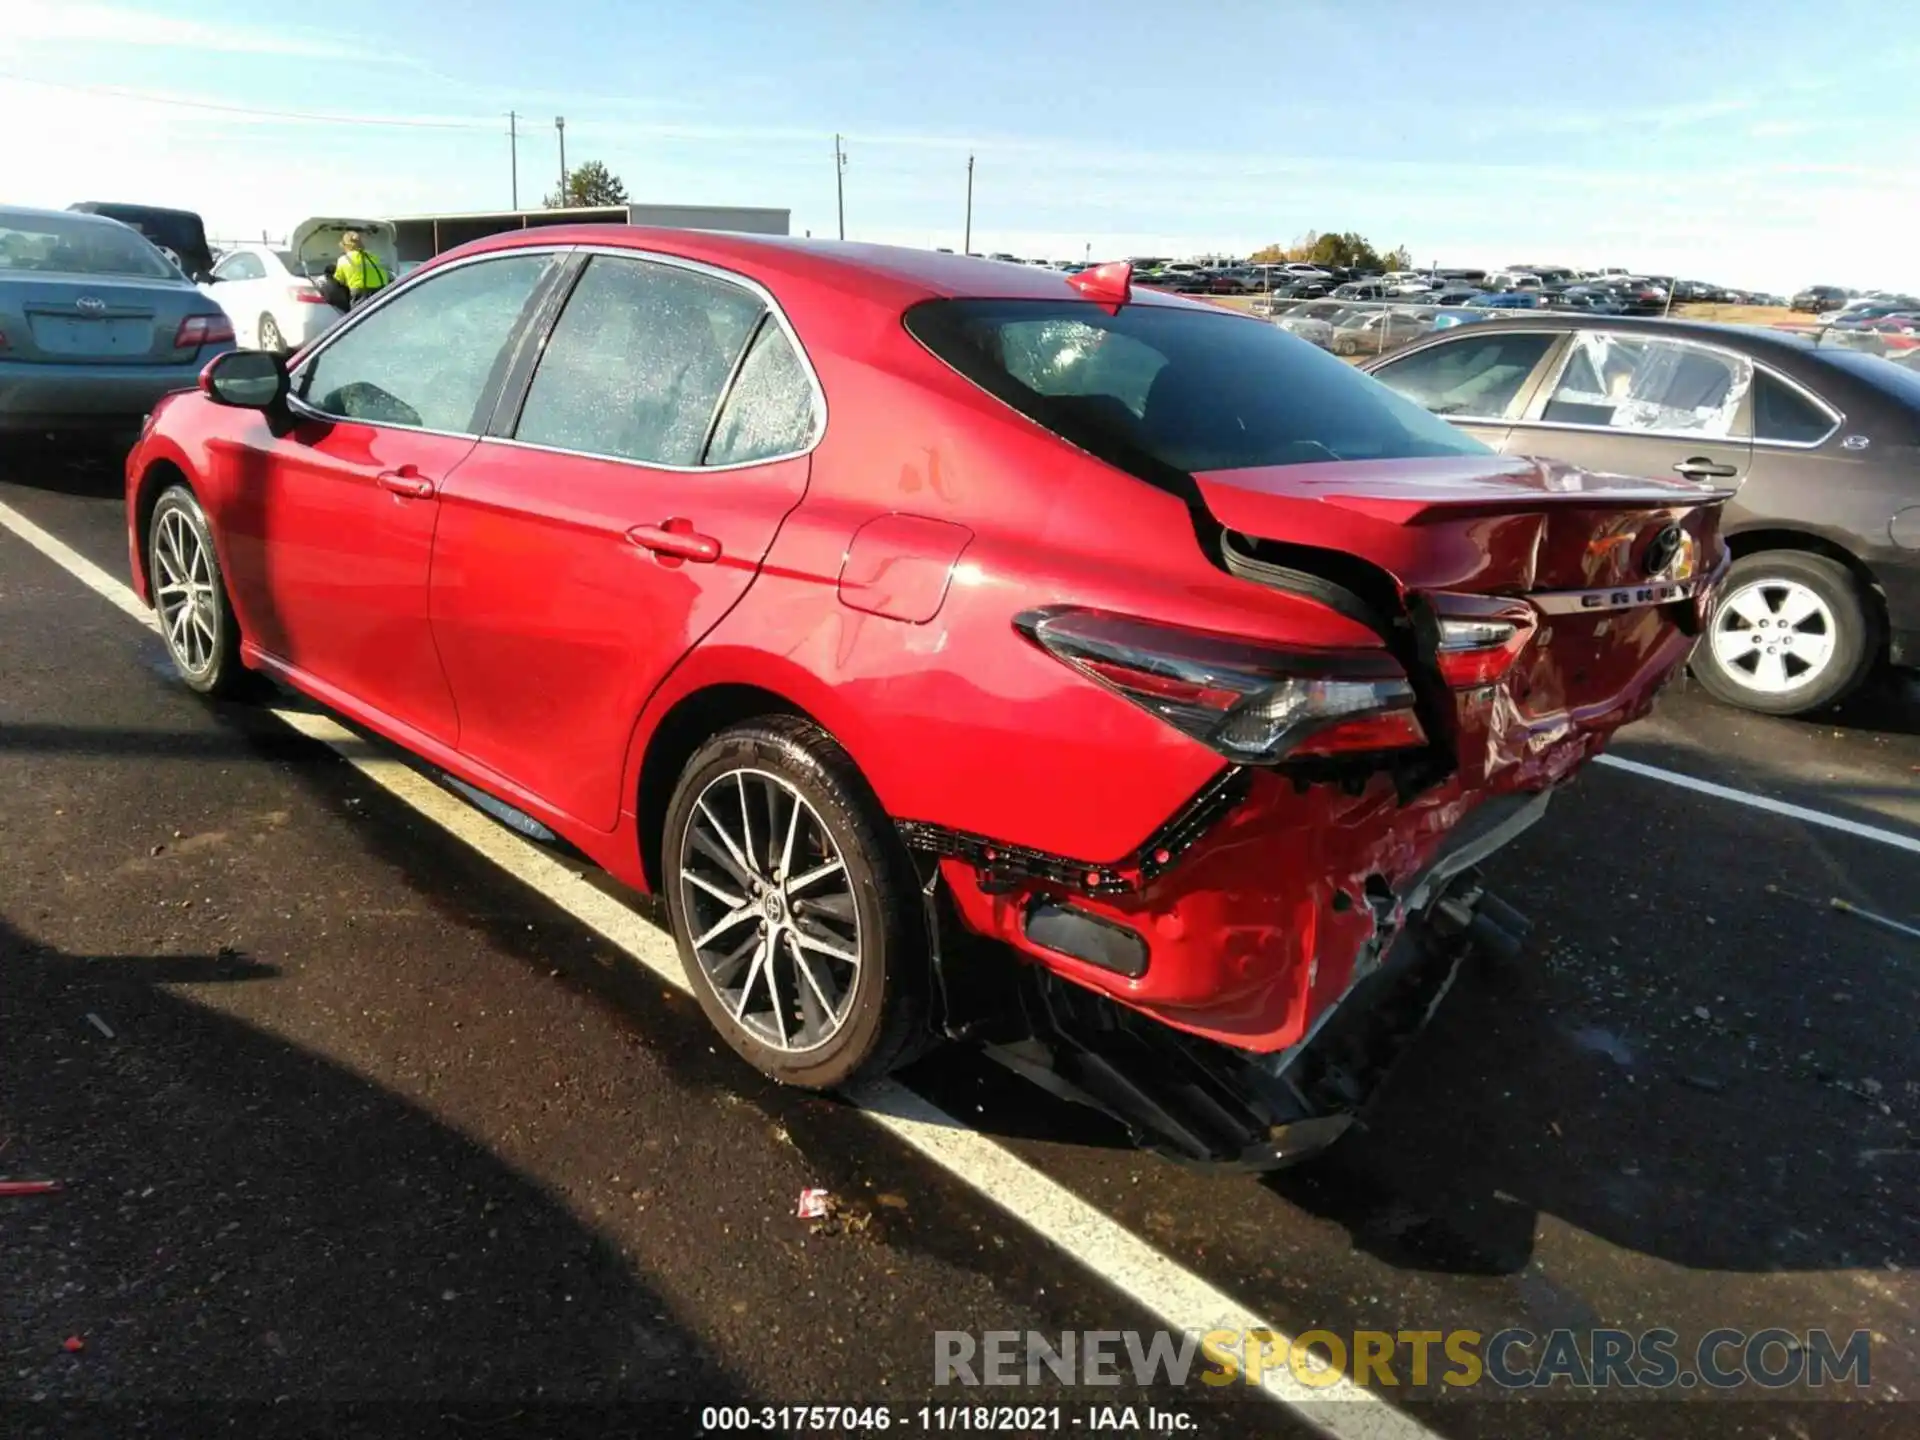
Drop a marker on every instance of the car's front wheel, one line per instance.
(794, 906)
(1791, 633)
(197, 622)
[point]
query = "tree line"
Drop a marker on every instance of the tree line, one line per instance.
(1329, 247)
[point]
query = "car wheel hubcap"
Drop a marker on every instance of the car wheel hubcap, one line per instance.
(1774, 636)
(185, 594)
(770, 910)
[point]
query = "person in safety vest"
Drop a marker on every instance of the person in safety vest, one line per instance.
(359, 269)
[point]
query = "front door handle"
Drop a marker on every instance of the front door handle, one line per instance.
(1701, 468)
(676, 539)
(406, 481)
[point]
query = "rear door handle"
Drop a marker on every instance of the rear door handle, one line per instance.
(406, 481)
(676, 539)
(1701, 468)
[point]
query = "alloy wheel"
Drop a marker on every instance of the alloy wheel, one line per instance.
(1774, 635)
(186, 595)
(771, 910)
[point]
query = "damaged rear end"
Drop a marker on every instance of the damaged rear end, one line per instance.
(1274, 945)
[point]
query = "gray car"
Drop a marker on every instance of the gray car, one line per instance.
(1822, 443)
(95, 324)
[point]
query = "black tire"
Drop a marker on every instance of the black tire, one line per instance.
(1857, 640)
(270, 337)
(886, 1010)
(221, 674)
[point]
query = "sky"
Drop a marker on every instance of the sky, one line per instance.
(1753, 143)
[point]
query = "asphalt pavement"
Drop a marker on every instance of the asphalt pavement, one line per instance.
(367, 1125)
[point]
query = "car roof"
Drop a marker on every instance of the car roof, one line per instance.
(36, 212)
(896, 273)
(132, 205)
(1755, 337)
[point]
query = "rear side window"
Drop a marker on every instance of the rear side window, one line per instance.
(1782, 413)
(1631, 383)
(769, 410)
(1478, 375)
(1155, 387)
(637, 362)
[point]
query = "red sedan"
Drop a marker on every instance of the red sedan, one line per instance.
(866, 603)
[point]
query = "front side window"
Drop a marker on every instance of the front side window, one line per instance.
(426, 358)
(1620, 382)
(637, 362)
(1476, 376)
(1154, 387)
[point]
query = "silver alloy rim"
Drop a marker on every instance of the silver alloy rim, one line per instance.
(270, 336)
(1774, 636)
(185, 594)
(771, 910)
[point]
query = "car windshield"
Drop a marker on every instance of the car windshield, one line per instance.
(1153, 388)
(75, 246)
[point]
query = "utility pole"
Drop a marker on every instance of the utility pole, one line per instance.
(839, 184)
(966, 245)
(560, 125)
(513, 154)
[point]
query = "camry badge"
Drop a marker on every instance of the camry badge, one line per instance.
(90, 305)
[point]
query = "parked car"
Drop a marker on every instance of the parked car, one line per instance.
(1816, 298)
(1585, 297)
(95, 324)
(1361, 290)
(1819, 440)
(1316, 320)
(1507, 300)
(568, 517)
(180, 231)
(281, 299)
(1374, 332)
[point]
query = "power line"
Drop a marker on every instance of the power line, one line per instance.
(118, 93)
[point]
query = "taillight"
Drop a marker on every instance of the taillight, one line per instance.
(1479, 637)
(198, 330)
(1255, 704)
(306, 295)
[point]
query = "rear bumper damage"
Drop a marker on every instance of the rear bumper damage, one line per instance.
(1345, 991)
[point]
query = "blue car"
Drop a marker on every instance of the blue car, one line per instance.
(95, 324)
(1506, 300)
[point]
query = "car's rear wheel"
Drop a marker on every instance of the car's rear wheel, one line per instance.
(794, 906)
(270, 336)
(197, 622)
(1790, 633)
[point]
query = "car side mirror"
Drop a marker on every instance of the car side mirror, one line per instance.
(245, 380)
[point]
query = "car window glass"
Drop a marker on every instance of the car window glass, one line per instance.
(637, 362)
(241, 267)
(1630, 383)
(425, 357)
(1152, 387)
(1474, 376)
(1781, 412)
(769, 410)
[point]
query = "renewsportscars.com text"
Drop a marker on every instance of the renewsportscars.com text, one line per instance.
(1726, 1359)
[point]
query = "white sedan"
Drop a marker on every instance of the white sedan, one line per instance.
(275, 297)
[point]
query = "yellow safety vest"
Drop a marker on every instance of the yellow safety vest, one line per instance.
(360, 272)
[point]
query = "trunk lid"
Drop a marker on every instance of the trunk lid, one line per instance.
(96, 319)
(1599, 581)
(315, 242)
(1485, 525)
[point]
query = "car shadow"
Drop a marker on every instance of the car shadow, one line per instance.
(245, 1221)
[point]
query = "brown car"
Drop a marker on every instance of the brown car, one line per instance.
(1822, 442)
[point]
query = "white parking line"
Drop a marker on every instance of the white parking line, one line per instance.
(1151, 1279)
(1766, 803)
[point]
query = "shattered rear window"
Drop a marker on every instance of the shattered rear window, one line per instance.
(1155, 387)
